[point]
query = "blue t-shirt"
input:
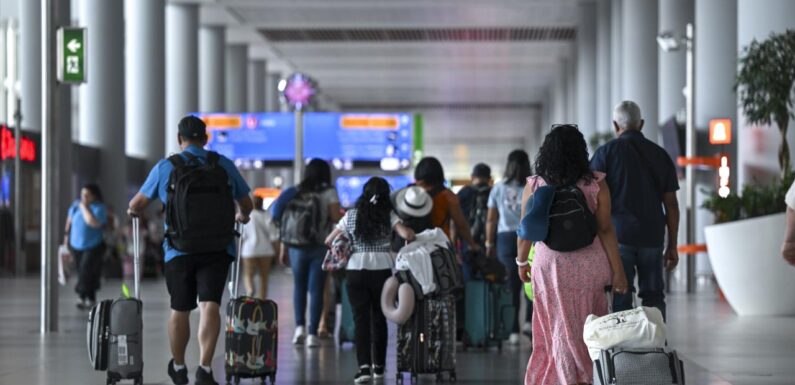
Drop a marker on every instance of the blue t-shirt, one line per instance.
(506, 197)
(81, 235)
(638, 173)
(157, 181)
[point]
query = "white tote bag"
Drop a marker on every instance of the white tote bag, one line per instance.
(642, 327)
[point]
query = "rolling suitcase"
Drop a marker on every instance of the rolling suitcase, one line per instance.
(347, 332)
(115, 330)
(490, 314)
(426, 342)
(252, 331)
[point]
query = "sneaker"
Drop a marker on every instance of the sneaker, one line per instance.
(378, 371)
(363, 375)
(299, 336)
(90, 304)
(312, 341)
(514, 339)
(81, 304)
(179, 377)
(204, 378)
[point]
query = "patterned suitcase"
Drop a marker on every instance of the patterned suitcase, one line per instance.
(426, 342)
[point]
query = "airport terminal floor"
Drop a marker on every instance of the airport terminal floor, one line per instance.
(718, 347)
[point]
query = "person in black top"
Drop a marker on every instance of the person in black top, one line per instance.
(643, 184)
(469, 197)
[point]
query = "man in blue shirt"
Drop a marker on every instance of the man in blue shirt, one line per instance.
(643, 184)
(189, 276)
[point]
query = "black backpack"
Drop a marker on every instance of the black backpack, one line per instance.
(304, 220)
(572, 225)
(478, 213)
(200, 209)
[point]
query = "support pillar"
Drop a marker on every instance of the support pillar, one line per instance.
(256, 86)
(182, 70)
(236, 77)
(586, 70)
(30, 63)
(674, 16)
(146, 75)
(639, 36)
(603, 101)
(212, 43)
(616, 54)
(272, 92)
(104, 96)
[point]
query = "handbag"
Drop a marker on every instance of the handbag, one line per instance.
(337, 256)
(641, 327)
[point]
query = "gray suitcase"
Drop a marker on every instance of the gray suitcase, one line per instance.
(115, 331)
(638, 367)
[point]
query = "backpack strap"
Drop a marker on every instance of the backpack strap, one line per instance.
(213, 158)
(177, 160)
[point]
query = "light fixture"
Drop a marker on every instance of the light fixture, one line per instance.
(668, 42)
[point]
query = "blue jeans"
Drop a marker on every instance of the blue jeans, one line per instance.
(648, 261)
(308, 277)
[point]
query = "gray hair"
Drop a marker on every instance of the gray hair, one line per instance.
(627, 115)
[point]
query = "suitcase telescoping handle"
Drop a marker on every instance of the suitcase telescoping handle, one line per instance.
(136, 235)
(234, 286)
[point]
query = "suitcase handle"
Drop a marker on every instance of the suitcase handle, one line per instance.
(136, 235)
(234, 284)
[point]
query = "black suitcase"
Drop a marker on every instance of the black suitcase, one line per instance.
(115, 330)
(426, 342)
(252, 333)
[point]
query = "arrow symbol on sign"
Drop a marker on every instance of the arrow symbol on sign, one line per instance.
(73, 45)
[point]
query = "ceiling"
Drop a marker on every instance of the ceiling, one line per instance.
(428, 54)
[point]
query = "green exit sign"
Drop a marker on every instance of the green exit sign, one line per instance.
(71, 55)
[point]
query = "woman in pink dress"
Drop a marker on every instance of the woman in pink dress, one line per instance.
(568, 286)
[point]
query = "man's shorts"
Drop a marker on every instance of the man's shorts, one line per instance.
(196, 275)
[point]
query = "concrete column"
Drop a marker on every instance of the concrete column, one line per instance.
(603, 105)
(30, 63)
(674, 16)
(558, 96)
(63, 135)
(586, 70)
(616, 57)
(236, 77)
(146, 75)
(3, 66)
(758, 146)
(212, 43)
(182, 71)
(571, 90)
(639, 38)
(104, 93)
(272, 92)
(256, 86)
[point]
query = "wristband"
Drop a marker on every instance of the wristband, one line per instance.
(521, 263)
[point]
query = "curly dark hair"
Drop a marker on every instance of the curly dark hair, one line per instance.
(563, 158)
(373, 209)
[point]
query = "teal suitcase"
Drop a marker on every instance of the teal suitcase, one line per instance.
(347, 328)
(490, 314)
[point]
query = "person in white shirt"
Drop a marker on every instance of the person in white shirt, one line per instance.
(370, 226)
(260, 242)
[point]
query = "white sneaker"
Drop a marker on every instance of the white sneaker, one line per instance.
(299, 336)
(527, 329)
(514, 339)
(312, 341)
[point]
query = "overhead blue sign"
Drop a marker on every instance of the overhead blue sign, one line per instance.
(350, 188)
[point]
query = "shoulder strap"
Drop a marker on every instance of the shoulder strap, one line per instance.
(176, 160)
(647, 164)
(213, 158)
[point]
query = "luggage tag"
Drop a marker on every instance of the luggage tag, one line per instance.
(122, 351)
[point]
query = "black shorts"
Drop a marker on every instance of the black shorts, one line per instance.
(196, 275)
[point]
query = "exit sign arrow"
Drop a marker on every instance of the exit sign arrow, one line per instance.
(73, 45)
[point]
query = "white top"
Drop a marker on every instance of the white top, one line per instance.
(370, 260)
(789, 199)
(258, 236)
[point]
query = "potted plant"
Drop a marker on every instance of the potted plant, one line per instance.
(764, 85)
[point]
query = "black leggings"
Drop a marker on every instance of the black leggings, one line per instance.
(364, 292)
(89, 271)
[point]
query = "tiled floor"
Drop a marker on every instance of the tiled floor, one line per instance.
(719, 348)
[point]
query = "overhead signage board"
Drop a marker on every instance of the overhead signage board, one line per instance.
(337, 137)
(71, 55)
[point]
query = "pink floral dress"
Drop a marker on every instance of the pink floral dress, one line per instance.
(568, 287)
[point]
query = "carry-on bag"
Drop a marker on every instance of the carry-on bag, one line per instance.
(638, 367)
(426, 342)
(490, 314)
(115, 329)
(252, 331)
(347, 326)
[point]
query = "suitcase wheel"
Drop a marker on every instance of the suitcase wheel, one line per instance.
(273, 379)
(399, 378)
(237, 380)
(439, 377)
(453, 377)
(413, 378)
(139, 380)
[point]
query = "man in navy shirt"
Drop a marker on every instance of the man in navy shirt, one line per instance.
(192, 276)
(643, 184)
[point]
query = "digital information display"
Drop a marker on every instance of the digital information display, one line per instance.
(327, 135)
(351, 187)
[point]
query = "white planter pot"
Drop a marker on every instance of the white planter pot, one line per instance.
(746, 258)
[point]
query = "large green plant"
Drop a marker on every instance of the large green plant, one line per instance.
(756, 200)
(764, 85)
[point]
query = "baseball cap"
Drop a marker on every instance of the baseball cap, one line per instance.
(481, 170)
(192, 127)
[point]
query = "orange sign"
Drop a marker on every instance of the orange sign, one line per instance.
(267, 192)
(369, 122)
(720, 131)
(215, 122)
